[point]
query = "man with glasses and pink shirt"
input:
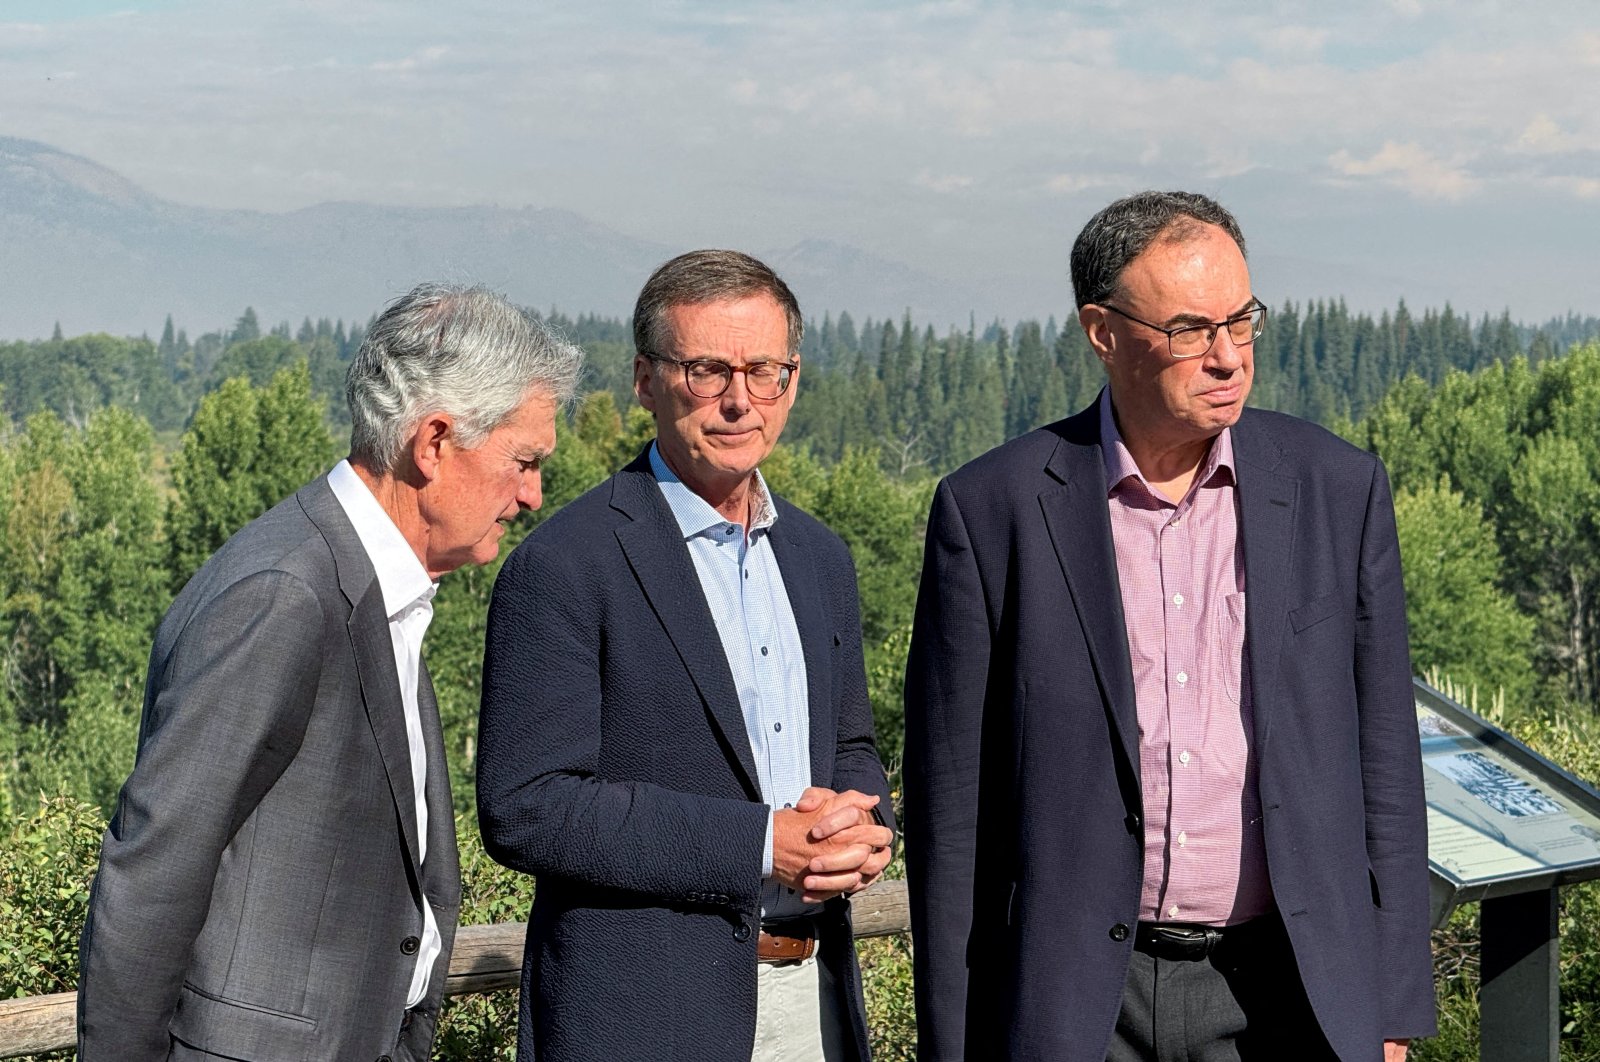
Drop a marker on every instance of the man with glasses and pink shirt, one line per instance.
(1163, 782)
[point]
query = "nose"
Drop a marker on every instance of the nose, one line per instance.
(1225, 355)
(530, 492)
(736, 399)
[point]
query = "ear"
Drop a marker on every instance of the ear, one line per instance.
(429, 440)
(644, 380)
(1097, 327)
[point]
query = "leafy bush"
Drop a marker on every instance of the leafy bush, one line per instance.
(46, 865)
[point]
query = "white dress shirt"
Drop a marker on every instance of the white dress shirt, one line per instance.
(408, 600)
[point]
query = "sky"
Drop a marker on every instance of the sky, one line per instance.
(1375, 149)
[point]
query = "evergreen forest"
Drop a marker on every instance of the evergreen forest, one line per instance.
(125, 462)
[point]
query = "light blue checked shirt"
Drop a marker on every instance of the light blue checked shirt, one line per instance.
(744, 589)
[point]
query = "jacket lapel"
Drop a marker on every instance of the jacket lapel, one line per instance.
(368, 627)
(1079, 523)
(1267, 500)
(654, 547)
(816, 636)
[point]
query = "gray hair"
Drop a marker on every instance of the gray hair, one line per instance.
(1122, 231)
(459, 350)
(707, 276)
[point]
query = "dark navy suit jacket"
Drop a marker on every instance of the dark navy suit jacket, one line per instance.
(615, 766)
(1023, 807)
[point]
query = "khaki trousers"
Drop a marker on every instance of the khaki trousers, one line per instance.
(798, 1016)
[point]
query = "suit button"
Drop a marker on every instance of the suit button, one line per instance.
(741, 933)
(410, 945)
(1134, 823)
(384, 1058)
(1119, 932)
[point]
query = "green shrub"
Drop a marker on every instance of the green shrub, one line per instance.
(45, 869)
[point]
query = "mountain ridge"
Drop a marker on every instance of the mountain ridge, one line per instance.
(94, 251)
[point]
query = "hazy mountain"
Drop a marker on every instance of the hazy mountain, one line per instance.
(81, 245)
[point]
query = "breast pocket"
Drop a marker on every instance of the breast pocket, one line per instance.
(1228, 633)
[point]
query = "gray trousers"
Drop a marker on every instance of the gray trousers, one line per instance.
(1240, 1005)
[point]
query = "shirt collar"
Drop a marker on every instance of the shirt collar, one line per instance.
(694, 514)
(1120, 463)
(401, 576)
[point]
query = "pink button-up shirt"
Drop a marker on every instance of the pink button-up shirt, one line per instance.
(1181, 572)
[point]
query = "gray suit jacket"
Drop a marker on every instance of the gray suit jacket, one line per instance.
(259, 892)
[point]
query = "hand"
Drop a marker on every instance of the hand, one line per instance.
(1395, 1050)
(842, 811)
(867, 873)
(839, 810)
(821, 850)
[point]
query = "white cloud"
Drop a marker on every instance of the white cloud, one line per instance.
(944, 183)
(1544, 137)
(1410, 167)
(415, 61)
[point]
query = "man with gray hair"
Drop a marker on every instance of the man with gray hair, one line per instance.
(675, 734)
(1162, 767)
(280, 879)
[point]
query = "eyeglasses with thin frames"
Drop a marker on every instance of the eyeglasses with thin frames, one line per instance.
(709, 378)
(1196, 340)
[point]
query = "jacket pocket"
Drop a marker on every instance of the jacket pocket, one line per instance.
(241, 1030)
(1315, 611)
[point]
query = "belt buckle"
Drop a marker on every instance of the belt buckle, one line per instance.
(1187, 943)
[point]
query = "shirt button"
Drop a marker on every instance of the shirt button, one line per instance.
(747, 573)
(1177, 599)
(1182, 676)
(1172, 912)
(763, 650)
(777, 726)
(1183, 757)
(1183, 839)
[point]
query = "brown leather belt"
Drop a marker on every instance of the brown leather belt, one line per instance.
(782, 943)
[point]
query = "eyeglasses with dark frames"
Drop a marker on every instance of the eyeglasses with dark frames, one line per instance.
(1196, 340)
(709, 378)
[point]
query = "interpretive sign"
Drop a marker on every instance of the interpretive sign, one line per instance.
(1501, 818)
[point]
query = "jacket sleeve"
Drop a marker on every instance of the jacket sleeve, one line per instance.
(946, 678)
(541, 806)
(225, 714)
(1391, 776)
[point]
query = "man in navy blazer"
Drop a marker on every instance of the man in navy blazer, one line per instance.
(676, 737)
(1163, 783)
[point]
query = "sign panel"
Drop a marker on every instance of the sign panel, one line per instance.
(1501, 818)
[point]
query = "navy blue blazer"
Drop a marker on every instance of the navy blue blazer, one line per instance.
(1023, 807)
(615, 766)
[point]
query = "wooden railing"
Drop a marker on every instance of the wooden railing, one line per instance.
(485, 959)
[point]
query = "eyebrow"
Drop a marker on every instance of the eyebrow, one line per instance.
(1185, 320)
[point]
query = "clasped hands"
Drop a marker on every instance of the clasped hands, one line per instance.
(829, 844)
